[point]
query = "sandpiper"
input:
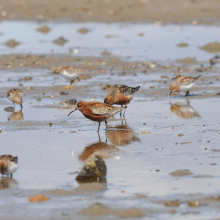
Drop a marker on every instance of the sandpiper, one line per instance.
(69, 72)
(120, 95)
(214, 60)
(97, 111)
(8, 164)
(15, 95)
(183, 83)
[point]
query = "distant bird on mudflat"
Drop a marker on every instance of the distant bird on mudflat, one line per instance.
(97, 111)
(15, 95)
(69, 72)
(8, 164)
(183, 84)
(214, 60)
(120, 95)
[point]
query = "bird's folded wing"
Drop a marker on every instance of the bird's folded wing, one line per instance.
(105, 110)
(73, 70)
(187, 81)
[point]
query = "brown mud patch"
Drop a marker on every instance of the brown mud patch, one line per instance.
(85, 188)
(175, 11)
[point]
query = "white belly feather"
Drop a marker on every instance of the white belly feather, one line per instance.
(71, 76)
(12, 169)
(187, 88)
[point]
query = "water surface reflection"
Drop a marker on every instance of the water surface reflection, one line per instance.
(184, 110)
(121, 135)
(8, 183)
(103, 148)
(16, 116)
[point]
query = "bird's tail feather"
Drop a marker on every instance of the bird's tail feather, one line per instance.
(135, 89)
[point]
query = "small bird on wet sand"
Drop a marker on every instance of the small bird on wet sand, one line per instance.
(8, 164)
(183, 83)
(97, 111)
(69, 72)
(214, 60)
(15, 95)
(120, 95)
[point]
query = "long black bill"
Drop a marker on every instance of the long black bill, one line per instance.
(72, 112)
(170, 92)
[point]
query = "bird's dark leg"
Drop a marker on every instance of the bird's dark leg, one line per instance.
(106, 137)
(99, 126)
(21, 106)
(125, 110)
(187, 94)
(99, 138)
(121, 111)
(106, 125)
(11, 175)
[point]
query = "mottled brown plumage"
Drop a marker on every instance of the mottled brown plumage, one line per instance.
(15, 95)
(97, 111)
(8, 164)
(120, 95)
(183, 83)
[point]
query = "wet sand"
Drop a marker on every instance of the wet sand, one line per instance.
(166, 11)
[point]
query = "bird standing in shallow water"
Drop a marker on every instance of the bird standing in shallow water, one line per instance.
(69, 72)
(120, 95)
(183, 83)
(15, 95)
(8, 164)
(97, 111)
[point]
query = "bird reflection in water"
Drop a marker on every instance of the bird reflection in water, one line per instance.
(17, 116)
(103, 148)
(121, 135)
(8, 183)
(184, 110)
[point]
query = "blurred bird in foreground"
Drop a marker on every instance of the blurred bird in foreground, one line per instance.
(183, 83)
(120, 95)
(97, 111)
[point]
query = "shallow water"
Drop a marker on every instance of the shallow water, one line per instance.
(159, 42)
(159, 134)
(48, 154)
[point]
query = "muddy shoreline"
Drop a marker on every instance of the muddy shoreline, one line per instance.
(166, 11)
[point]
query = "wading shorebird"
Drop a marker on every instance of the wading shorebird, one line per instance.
(97, 111)
(8, 164)
(69, 72)
(15, 95)
(120, 95)
(183, 83)
(214, 60)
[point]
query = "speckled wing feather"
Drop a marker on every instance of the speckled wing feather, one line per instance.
(187, 81)
(99, 108)
(126, 90)
(74, 70)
